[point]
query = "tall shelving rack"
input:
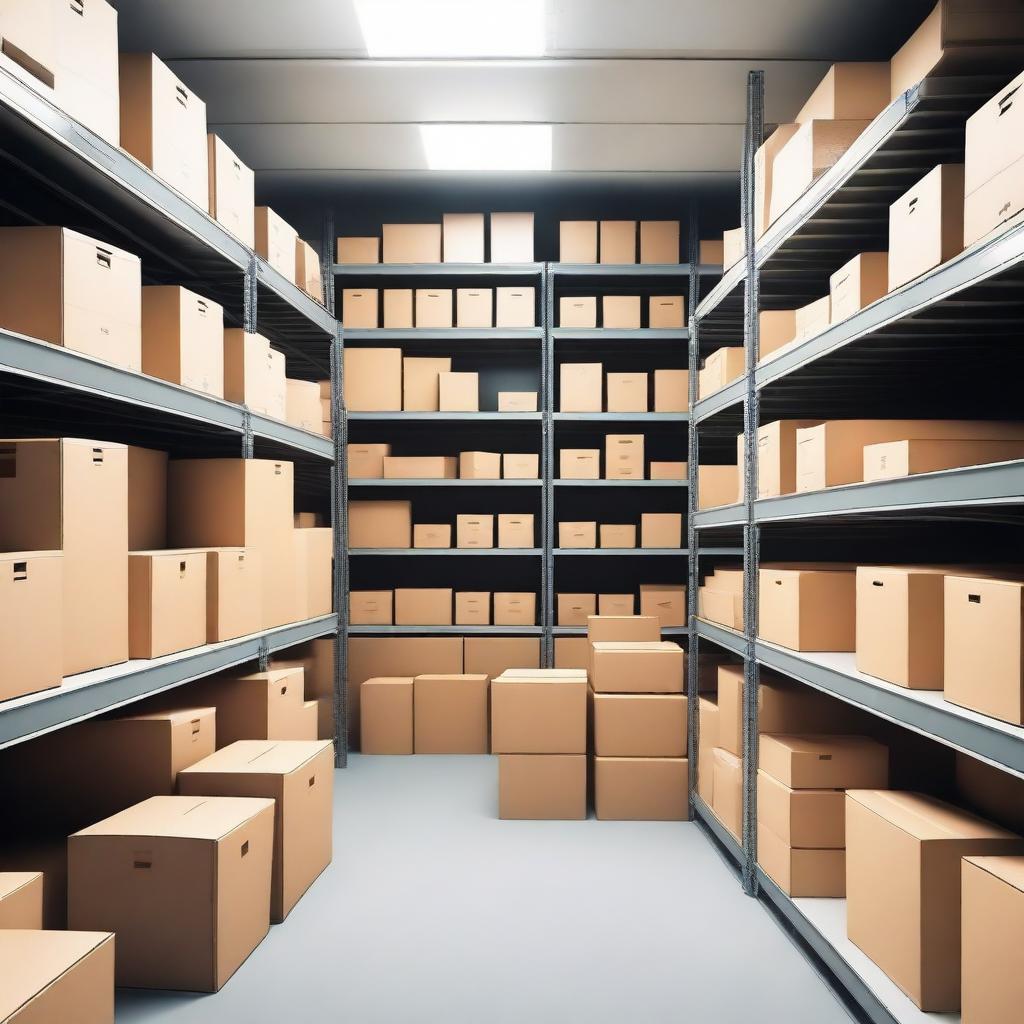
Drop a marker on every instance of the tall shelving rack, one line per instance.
(937, 331)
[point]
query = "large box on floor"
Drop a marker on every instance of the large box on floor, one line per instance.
(299, 778)
(808, 609)
(639, 725)
(163, 125)
(57, 976)
(386, 719)
(183, 881)
(21, 899)
(166, 602)
(623, 627)
(926, 224)
(641, 789)
(538, 715)
(903, 854)
(492, 655)
(183, 338)
(801, 872)
(542, 786)
(450, 714)
(72, 495)
(31, 616)
(232, 191)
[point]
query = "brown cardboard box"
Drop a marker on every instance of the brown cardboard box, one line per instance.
(68, 289)
(641, 789)
(492, 655)
(849, 90)
(777, 329)
(203, 852)
(511, 238)
(903, 855)
(577, 535)
(517, 401)
(276, 241)
(233, 585)
(474, 531)
(21, 900)
(411, 243)
(667, 470)
(639, 725)
(721, 598)
(358, 250)
(450, 714)
(720, 368)
(733, 247)
(621, 312)
(29, 43)
(926, 224)
(989, 792)
(538, 713)
(473, 608)
(373, 379)
(707, 712)
(360, 308)
(610, 628)
(423, 606)
(659, 241)
(577, 311)
(627, 392)
(575, 609)
(460, 392)
(579, 464)
(813, 318)
(661, 530)
(387, 716)
(618, 535)
(801, 872)
(992, 913)
(808, 609)
(892, 459)
(252, 374)
(580, 387)
(577, 241)
(163, 125)
(380, 524)
(462, 235)
(515, 307)
(984, 645)
(671, 391)
(432, 535)
(824, 761)
(232, 191)
(474, 307)
(857, 284)
(57, 975)
(370, 607)
(624, 456)
(622, 666)
(420, 467)
(776, 456)
(183, 339)
(302, 404)
(727, 790)
(618, 241)
(434, 307)
(307, 270)
(314, 564)
(479, 466)
(572, 652)
(717, 485)
(665, 601)
(398, 308)
(71, 495)
(666, 311)
(764, 165)
(616, 604)
(298, 776)
(515, 530)
(515, 608)
(366, 461)
(808, 819)
(147, 499)
(542, 786)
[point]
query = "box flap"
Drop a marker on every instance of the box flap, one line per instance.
(260, 757)
(925, 817)
(182, 817)
(819, 744)
(178, 716)
(635, 645)
(1009, 869)
(12, 881)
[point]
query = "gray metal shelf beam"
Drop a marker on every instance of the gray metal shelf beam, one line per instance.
(619, 334)
(631, 269)
(362, 270)
(730, 639)
(621, 417)
(454, 417)
(582, 631)
(435, 552)
(731, 395)
(456, 334)
(374, 482)
(720, 515)
(624, 552)
(445, 630)
(619, 483)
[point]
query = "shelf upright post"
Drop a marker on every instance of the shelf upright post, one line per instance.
(753, 136)
(328, 242)
(547, 377)
(249, 322)
(339, 523)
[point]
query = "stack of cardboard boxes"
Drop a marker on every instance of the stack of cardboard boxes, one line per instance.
(665, 602)
(623, 460)
(375, 462)
(582, 385)
(510, 307)
(615, 241)
(622, 312)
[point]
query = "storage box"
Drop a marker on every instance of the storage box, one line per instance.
(721, 598)
(460, 392)
(808, 609)
(432, 535)
(892, 459)
(154, 873)
(616, 604)
(857, 284)
(577, 241)
(618, 535)
(627, 392)
(302, 404)
(254, 373)
(421, 390)
(764, 166)
(314, 564)
(733, 247)
(232, 192)
(474, 307)
(515, 307)
(666, 311)
(609, 628)
(824, 762)
(572, 652)
(577, 535)
(776, 456)
(542, 786)
(358, 250)
(667, 470)
(163, 125)
(515, 609)
(579, 387)
(473, 608)
(28, 44)
(720, 368)
(849, 90)
(717, 485)
(21, 900)
(463, 237)
(233, 585)
(450, 713)
(539, 713)
(412, 243)
(800, 872)
(515, 530)
(575, 609)
(661, 530)
(659, 241)
(618, 241)
(707, 712)
(903, 855)
(671, 391)
(517, 401)
(423, 606)
(622, 666)
(579, 464)
(813, 318)
(577, 311)
(808, 819)
(370, 607)
(727, 790)
(639, 725)
(373, 379)
(621, 312)
(474, 531)
(275, 241)
(777, 329)
(31, 606)
(479, 465)
(665, 601)
(624, 456)
(710, 252)
(380, 524)
(398, 313)
(434, 307)
(511, 238)
(307, 270)
(492, 655)
(387, 716)
(926, 224)
(366, 461)
(359, 308)
(641, 789)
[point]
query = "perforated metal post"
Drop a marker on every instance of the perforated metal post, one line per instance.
(249, 321)
(547, 376)
(328, 242)
(339, 522)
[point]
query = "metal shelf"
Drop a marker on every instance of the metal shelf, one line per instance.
(731, 282)
(720, 515)
(444, 417)
(447, 630)
(362, 270)
(731, 395)
(619, 334)
(93, 693)
(726, 840)
(582, 631)
(456, 334)
(432, 552)
(623, 552)
(374, 482)
(629, 269)
(619, 483)
(730, 639)
(621, 417)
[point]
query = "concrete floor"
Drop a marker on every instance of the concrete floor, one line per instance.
(435, 911)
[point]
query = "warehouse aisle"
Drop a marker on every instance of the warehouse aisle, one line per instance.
(435, 911)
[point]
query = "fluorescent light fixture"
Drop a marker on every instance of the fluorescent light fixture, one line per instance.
(452, 28)
(487, 147)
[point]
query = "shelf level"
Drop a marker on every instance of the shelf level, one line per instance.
(619, 483)
(730, 639)
(365, 270)
(364, 482)
(621, 417)
(624, 552)
(449, 417)
(440, 552)
(454, 334)
(445, 630)
(619, 334)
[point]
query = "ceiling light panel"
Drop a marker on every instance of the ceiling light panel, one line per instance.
(487, 147)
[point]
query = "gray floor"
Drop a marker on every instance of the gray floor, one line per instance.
(435, 911)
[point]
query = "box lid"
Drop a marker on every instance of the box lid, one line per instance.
(1008, 869)
(178, 716)
(260, 757)
(542, 674)
(181, 817)
(537, 679)
(635, 645)
(925, 817)
(816, 745)
(12, 881)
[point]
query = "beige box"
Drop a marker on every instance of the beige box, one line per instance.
(373, 379)
(764, 166)
(624, 457)
(618, 535)
(147, 499)
(421, 382)
(851, 90)
(777, 329)
(666, 311)
(708, 724)
(254, 373)
(641, 789)
(627, 627)
(460, 392)
(450, 714)
(639, 725)
(665, 601)
(727, 790)
(232, 191)
(398, 314)
(21, 900)
(479, 466)
(28, 36)
(358, 250)
(636, 666)
(515, 609)
(167, 602)
(733, 247)
(577, 241)
(577, 535)
(926, 224)
(434, 307)
(515, 307)
(366, 461)
(857, 284)
(492, 655)
(892, 459)
(234, 581)
(423, 606)
(668, 471)
(776, 456)
(575, 609)
(359, 308)
(314, 565)
(720, 368)
(386, 720)
(163, 125)
(420, 467)
(808, 609)
(627, 392)
(473, 608)
(307, 270)
(621, 312)
(813, 318)
(511, 238)
(379, 524)
(411, 243)
(659, 241)
(618, 241)
(517, 401)
(661, 530)
(539, 712)
(302, 404)
(371, 608)
(276, 241)
(542, 786)
(800, 872)
(579, 464)
(474, 531)
(579, 311)
(463, 237)
(474, 307)
(515, 530)
(31, 606)
(572, 652)
(808, 819)
(824, 762)
(580, 386)
(616, 604)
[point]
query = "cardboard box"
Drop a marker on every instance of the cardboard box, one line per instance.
(314, 565)
(624, 457)
(29, 43)
(479, 465)
(307, 270)
(205, 852)
(515, 609)
(578, 311)
(707, 713)
(163, 125)
(86, 73)
(411, 243)
(808, 609)
(70, 290)
(807, 819)
(857, 284)
(71, 495)
(777, 329)
(515, 530)
(622, 666)
(575, 609)
(801, 872)
(627, 392)
(232, 191)
(659, 241)
(717, 485)
(666, 312)
(727, 790)
(723, 366)
(511, 238)
(373, 379)
(275, 241)
(733, 247)
(517, 401)
(926, 224)
(147, 499)
(616, 604)
(992, 928)
(721, 598)
(474, 531)
(233, 587)
(515, 307)
(474, 307)
(432, 535)
(21, 900)
(434, 307)
(577, 241)
(539, 713)
(493, 655)
(710, 252)
(463, 237)
(542, 786)
(58, 975)
(892, 459)
(387, 716)
(631, 628)
(579, 388)
(473, 608)
(618, 241)
(621, 312)
(824, 761)
(420, 467)
(851, 90)
(366, 461)
(903, 855)
(31, 603)
(380, 524)
(776, 456)
(299, 777)
(813, 318)
(460, 392)
(360, 308)
(370, 607)
(983, 646)
(254, 373)
(664, 601)
(302, 404)
(423, 606)
(764, 166)
(618, 535)
(661, 530)
(577, 535)
(572, 652)
(398, 314)
(639, 725)
(667, 470)
(450, 713)
(358, 250)
(671, 391)
(641, 789)
(579, 464)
